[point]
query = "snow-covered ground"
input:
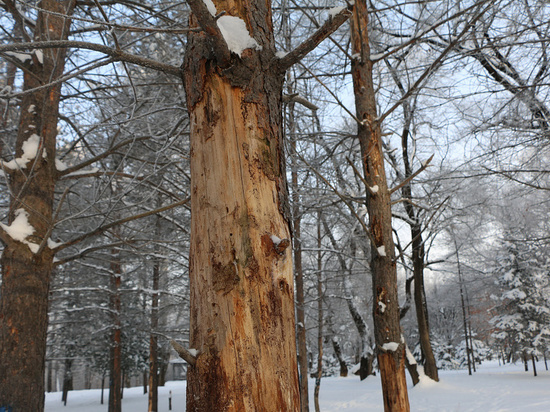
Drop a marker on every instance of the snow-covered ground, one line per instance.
(492, 388)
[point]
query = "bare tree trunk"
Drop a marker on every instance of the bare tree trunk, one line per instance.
(115, 376)
(338, 353)
(463, 304)
(320, 319)
(153, 340)
(391, 350)
(298, 270)
(27, 263)
(242, 297)
(534, 365)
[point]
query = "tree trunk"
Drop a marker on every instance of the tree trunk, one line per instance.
(242, 298)
(115, 378)
(27, 263)
(534, 365)
(391, 350)
(320, 319)
(338, 353)
(298, 270)
(153, 344)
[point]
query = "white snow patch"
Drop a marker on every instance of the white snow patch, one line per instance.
(276, 240)
(236, 34)
(22, 57)
(390, 346)
(30, 149)
(374, 189)
(334, 11)
(381, 250)
(83, 172)
(382, 307)
(52, 244)
(211, 7)
(281, 54)
(193, 352)
(376, 56)
(31, 109)
(356, 56)
(39, 56)
(20, 228)
(60, 166)
(410, 356)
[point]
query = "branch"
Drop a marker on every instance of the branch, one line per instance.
(184, 353)
(435, 63)
(411, 177)
(119, 222)
(116, 55)
(298, 99)
(210, 26)
(329, 27)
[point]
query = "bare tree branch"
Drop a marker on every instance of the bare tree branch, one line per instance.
(329, 27)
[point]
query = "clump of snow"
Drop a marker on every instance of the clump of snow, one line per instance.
(276, 240)
(390, 346)
(20, 228)
(210, 6)
(60, 166)
(193, 352)
(236, 34)
(52, 244)
(334, 11)
(22, 57)
(31, 109)
(382, 307)
(374, 189)
(281, 54)
(39, 56)
(30, 149)
(381, 250)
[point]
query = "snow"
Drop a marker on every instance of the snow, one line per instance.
(194, 352)
(492, 388)
(60, 166)
(381, 250)
(30, 149)
(210, 6)
(276, 240)
(390, 346)
(280, 54)
(40, 56)
(374, 189)
(20, 228)
(382, 307)
(22, 57)
(334, 11)
(31, 109)
(236, 34)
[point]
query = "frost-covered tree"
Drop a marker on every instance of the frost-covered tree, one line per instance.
(522, 325)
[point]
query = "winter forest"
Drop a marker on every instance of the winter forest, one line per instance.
(255, 196)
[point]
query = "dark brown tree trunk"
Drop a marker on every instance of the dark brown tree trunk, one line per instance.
(27, 263)
(67, 381)
(320, 319)
(115, 377)
(153, 340)
(534, 365)
(391, 350)
(298, 269)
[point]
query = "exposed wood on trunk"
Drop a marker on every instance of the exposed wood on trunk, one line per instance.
(26, 275)
(391, 350)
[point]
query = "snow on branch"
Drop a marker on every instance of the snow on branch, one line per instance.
(190, 356)
(336, 18)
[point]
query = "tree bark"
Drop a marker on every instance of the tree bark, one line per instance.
(153, 340)
(26, 275)
(115, 376)
(242, 298)
(320, 318)
(391, 350)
